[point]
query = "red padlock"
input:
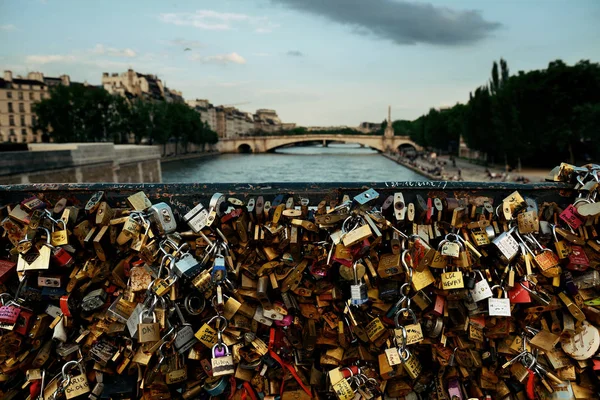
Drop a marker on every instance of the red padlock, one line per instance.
(571, 217)
(7, 268)
(66, 305)
(24, 322)
(578, 260)
(518, 294)
(9, 312)
(61, 257)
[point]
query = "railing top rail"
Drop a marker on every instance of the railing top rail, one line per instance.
(195, 188)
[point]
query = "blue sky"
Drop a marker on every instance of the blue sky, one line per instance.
(317, 62)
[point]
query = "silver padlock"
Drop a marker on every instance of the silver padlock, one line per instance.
(499, 307)
(358, 291)
(187, 266)
(163, 218)
(482, 289)
(507, 245)
(184, 336)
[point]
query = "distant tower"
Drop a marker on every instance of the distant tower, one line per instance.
(389, 129)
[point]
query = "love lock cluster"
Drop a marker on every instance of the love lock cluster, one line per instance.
(414, 295)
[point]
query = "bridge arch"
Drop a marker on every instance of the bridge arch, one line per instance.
(406, 147)
(244, 148)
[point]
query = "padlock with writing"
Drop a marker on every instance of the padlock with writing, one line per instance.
(148, 332)
(358, 291)
(452, 280)
(184, 335)
(450, 246)
(222, 360)
(499, 307)
(507, 246)
(78, 384)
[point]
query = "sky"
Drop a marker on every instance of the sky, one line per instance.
(316, 62)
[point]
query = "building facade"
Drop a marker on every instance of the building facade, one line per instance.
(17, 97)
(133, 84)
(368, 127)
(208, 113)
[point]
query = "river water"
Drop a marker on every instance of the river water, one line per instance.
(336, 163)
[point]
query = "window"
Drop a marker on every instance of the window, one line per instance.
(21, 107)
(10, 109)
(22, 120)
(31, 96)
(9, 95)
(11, 120)
(20, 95)
(24, 132)
(33, 120)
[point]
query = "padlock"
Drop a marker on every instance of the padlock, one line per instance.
(77, 385)
(222, 361)
(358, 291)
(507, 246)
(9, 311)
(451, 246)
(499, 307)
(162, 217)
(452, 280)
(414, 332)
(33, 261)
(148, 332)
(481, 289)
(469, 280)
(187, 266)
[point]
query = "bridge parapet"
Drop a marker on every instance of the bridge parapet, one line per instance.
(263, 144)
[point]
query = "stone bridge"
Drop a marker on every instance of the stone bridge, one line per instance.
(263, 144)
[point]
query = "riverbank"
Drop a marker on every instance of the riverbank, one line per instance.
(462, 170)
(181, 157)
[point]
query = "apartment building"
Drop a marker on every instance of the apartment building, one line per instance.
(208, 112)
(132, 84)
(17, 97)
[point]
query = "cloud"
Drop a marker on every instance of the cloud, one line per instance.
(402, 22)
(7, 27)
(48, 59)
(295, 53)
(204, 19)
(231, 58)
(112, 52)
(178, 42)
(218, 21)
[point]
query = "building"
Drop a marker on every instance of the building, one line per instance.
(266, 121)
(17, 97)
(327, 128)
(133, 84)
(208, 112)
(368, 127)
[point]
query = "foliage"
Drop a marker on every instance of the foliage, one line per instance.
(553, 112)
(79, 113)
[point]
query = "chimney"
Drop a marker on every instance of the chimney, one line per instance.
(66, 80)
(105, 74)
(36, 76)
(8, 76)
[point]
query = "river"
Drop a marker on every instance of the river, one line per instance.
(336, 163)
